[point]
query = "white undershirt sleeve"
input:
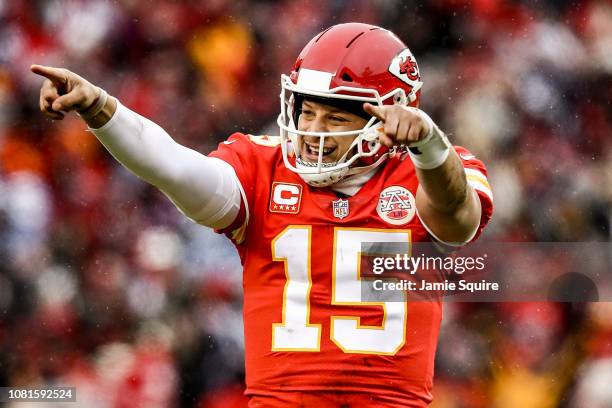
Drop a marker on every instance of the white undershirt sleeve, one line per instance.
(205, 189)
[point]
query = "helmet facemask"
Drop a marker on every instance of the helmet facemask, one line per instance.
(364, 145)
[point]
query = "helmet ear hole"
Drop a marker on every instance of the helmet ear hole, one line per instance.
(400, 98)
(346, 77)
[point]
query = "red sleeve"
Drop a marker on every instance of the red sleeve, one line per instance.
(237, 150)
(476, 174)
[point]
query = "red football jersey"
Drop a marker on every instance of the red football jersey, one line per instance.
(305, 327)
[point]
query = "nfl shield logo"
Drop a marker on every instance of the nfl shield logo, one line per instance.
(341, 208)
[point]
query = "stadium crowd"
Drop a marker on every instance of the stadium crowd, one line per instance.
(106, 287)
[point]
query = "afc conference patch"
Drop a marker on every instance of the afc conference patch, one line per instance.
(396, 205)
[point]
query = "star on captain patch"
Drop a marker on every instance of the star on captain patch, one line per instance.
(341, 208)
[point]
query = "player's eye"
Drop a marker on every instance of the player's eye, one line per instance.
(335, 118)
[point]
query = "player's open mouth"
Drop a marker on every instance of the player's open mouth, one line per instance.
(310, 152)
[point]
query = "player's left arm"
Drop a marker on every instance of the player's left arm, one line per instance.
(446, 203)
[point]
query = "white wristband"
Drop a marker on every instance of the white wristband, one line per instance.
(95, 108)
(433, 150)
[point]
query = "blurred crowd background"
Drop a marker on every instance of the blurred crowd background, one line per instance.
(106, 287)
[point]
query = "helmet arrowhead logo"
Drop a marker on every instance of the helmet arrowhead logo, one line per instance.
(408, 67)
(404, 67)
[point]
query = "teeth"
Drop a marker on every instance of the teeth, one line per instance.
(315, 150)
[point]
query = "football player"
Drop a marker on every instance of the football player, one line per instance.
(356, 161)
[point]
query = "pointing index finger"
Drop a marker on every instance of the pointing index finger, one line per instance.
(378, 111)
(56, 75)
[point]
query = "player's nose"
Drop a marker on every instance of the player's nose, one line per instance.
(317, 125)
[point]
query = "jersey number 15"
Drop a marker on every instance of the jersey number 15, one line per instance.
(295, 333)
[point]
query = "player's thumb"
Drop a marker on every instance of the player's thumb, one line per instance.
(376, 111)
(68, 102)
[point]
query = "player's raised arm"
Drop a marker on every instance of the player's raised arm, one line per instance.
(205, 189)
(446, 203)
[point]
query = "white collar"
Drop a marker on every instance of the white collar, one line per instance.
(352, 184)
